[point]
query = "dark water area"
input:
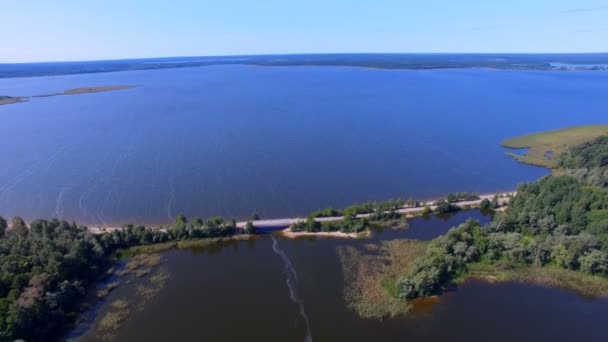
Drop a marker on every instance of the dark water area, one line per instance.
(241, 291)
(278, 141)
(427, 228)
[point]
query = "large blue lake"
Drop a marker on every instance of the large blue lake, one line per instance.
(278, 141)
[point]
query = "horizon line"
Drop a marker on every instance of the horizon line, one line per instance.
(300, 54)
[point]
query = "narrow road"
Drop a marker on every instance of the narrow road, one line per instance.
(285, 222)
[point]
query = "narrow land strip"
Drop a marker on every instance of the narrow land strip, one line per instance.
(6, 100)
(408, 211)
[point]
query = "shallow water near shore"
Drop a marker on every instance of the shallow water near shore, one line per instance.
(278, 141)
(240, 290)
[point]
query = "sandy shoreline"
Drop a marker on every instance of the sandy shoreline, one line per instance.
(6, 100)
(285, 223)
(88, 90)
(10, 100)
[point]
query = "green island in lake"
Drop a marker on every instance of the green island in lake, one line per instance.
(552, 232)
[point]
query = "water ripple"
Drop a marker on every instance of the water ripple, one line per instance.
(292, 280)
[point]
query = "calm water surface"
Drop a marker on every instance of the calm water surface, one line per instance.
(238, 292)
(279, 141)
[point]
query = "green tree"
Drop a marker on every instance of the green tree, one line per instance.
(19, 227)
(197, 222)
(181, 221)
(250, 228)
(485, 204)
(411, 202)
(312, 225)
(3, 227)
(444, 207)
(594, 262)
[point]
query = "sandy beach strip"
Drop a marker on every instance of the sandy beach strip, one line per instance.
(409, 212)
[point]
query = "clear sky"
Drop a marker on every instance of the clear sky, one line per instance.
(45, 30)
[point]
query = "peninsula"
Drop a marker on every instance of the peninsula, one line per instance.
(6, 100)
(88, 90)
(544, 148)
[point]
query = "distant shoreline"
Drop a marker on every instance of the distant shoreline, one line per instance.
(390, 61)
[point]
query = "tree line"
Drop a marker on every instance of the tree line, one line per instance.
(47, 268)
(560, 220)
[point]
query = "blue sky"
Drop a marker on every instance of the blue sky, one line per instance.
(42, 30)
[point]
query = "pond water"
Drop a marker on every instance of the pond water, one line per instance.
(243, 291)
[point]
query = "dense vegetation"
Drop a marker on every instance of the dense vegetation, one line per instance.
(350, 224)
(47, 268)
(363, 208)
(379, 207)
(374, 212)
(453, 197)
(587, 162)
(445, 207)
(559, 221)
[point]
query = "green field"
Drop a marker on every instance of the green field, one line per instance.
(545, 147)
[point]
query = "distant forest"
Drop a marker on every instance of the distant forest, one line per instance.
(591, 61)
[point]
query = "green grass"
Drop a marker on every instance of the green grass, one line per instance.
(557, 142)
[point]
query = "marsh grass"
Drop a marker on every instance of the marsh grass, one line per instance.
(148, 249)
(370, 276)
(140, 264)
(156, 284)
(145, 293)
(545, 147)
(160, 277)
(398, 223)
(119, 310)
(142, 272)
(111, 321)
(583, 284)
(107, 289)
(184, 244)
